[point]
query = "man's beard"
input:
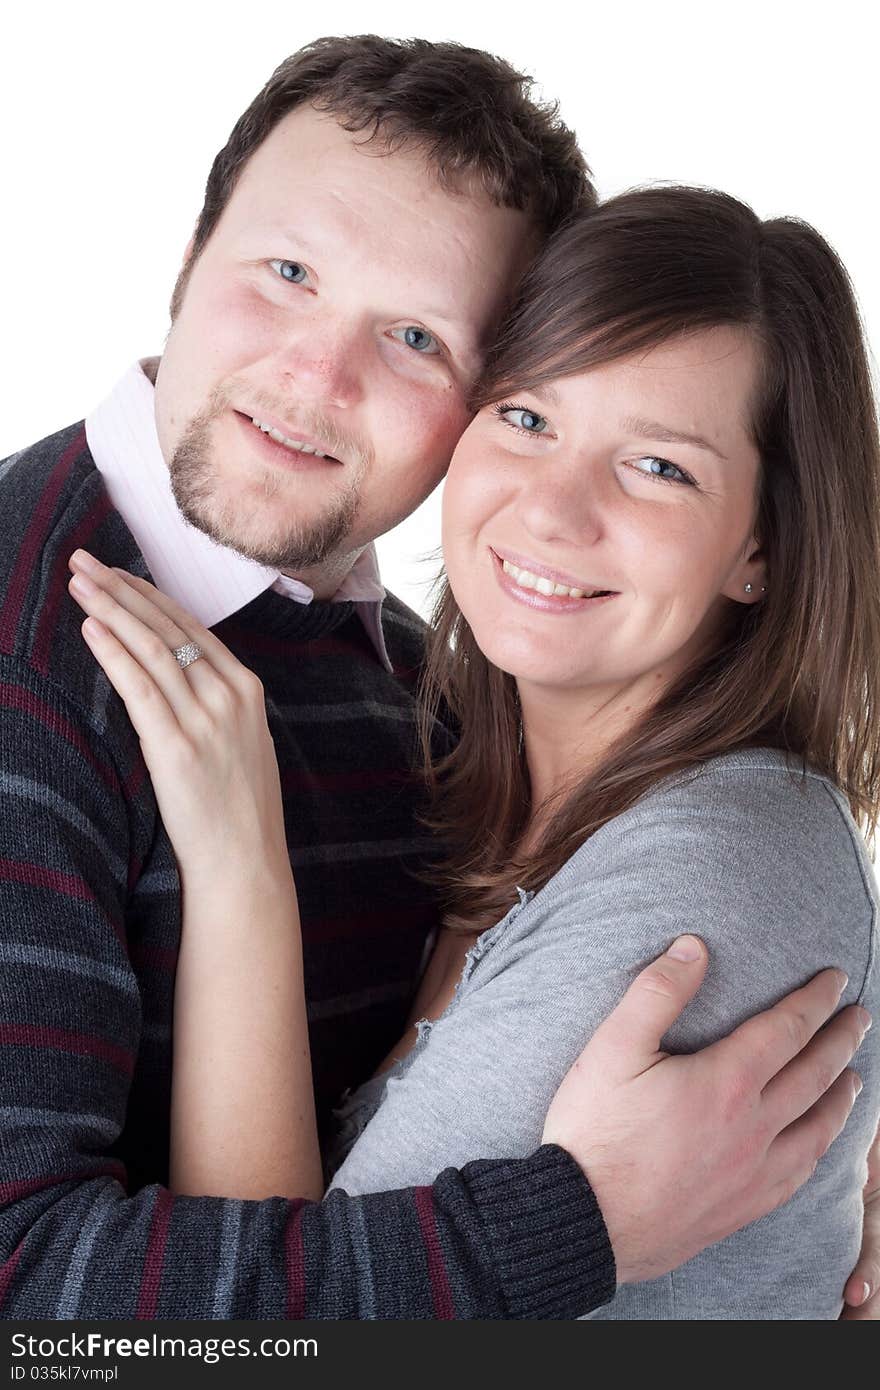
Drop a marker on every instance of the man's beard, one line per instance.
(195, 485)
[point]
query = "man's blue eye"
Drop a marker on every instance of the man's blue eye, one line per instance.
(419, 339)
(527, 420)
(290, 270)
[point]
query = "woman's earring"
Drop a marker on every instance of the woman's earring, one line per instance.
(750, 588)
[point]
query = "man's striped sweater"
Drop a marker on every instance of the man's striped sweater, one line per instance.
(89, 932)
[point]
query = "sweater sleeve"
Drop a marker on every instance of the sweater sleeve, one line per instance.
(771, 873)
(510, 1239)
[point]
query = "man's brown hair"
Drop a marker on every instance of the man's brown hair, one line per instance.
(472, 113)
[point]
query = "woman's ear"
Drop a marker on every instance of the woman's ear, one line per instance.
(748, 578)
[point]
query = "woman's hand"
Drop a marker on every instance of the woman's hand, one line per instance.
(203, 730)
(862, 1293)
(242, 1105)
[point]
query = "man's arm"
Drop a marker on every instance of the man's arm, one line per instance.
(74, 1241)
(510, 1240)
(750, 1098)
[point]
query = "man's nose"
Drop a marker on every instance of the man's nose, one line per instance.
(323, 362)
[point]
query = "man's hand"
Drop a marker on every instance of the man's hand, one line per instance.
(862, 1292)
(681, 1151)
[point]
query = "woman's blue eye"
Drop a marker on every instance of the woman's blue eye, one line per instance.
(526, 420)
(657, 468)
(419, 339)
(290, 270)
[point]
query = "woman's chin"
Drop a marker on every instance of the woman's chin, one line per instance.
(533, 661)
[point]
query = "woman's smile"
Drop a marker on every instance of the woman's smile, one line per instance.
(539, 591)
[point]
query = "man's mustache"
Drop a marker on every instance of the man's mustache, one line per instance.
(308, 421)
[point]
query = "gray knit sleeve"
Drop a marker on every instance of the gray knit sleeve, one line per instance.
(769, 869)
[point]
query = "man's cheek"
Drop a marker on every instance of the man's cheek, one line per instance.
(233, 330)
(435, 429)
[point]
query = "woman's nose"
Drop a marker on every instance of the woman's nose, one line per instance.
(563, 504)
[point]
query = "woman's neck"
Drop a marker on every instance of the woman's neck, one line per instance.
(567, 732)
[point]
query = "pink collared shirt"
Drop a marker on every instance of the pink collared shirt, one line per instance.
(210, 580)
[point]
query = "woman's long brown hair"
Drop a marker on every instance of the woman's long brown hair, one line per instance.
(799, 670)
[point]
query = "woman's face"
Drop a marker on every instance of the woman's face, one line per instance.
(637, 478)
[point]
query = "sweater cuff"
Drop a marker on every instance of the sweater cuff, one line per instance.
(546, 1234)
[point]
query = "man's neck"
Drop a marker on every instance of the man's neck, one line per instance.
(325, 579)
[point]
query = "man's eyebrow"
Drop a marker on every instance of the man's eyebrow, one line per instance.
(652, 429)
(437, 316)
(296, 239)
(458, 324)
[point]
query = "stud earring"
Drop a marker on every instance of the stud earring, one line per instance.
(749, 588)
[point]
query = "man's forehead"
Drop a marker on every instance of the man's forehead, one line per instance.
(381, 226)
(314, 148)
(309, 156)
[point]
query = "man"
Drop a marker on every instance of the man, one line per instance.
(329, 320)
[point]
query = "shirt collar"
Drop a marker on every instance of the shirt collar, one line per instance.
(210, 580)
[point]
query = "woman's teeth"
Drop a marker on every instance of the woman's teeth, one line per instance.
(288, 443)
(526, 580)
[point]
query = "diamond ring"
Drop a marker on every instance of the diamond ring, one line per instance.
(186, 654)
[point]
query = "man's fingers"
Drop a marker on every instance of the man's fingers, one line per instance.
(629, 1039)
(872, 1186)
(862, 1286)
(797, 1150)
(866, 1311)
(862, 1292)
(763, 1045)
(799, 1085)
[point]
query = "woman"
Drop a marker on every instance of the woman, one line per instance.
(661, 638)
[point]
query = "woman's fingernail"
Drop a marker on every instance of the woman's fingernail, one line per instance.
(866, 1292)
(83, 586)
(83, 560)
(685, 948)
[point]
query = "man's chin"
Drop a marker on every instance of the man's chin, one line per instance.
(292, 553)
(246, 514)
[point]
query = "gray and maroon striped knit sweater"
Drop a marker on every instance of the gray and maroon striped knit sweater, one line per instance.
(88, 940)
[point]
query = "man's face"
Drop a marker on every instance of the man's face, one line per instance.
(343, 301)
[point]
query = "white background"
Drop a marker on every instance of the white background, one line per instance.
(110, 115)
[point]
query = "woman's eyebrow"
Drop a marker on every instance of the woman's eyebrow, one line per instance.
(545, 392)
(652, 429)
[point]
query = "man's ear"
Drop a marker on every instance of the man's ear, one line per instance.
(748, 579)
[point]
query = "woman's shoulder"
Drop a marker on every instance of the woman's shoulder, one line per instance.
(750, 850)
(762, 801)
(764, 777)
